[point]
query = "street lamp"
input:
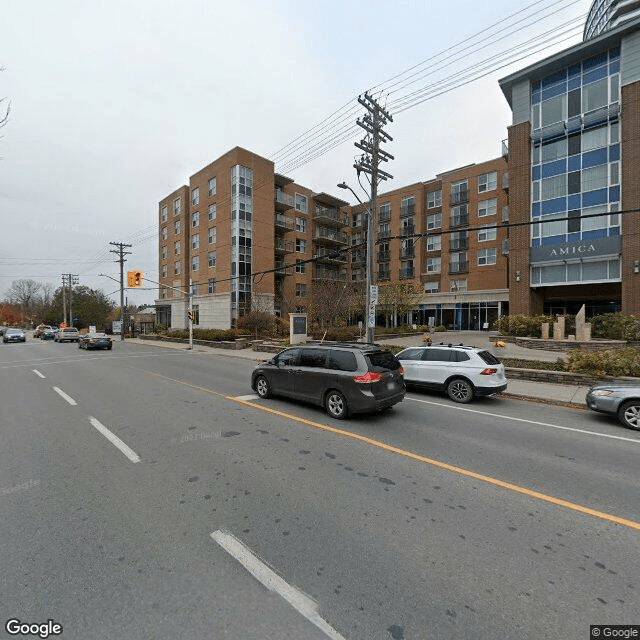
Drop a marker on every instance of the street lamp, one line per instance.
(370, 299)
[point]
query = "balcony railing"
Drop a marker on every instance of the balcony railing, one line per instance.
(330, 215)
(325, 255)
(458, 267)
(320, 273)
(382, 234)
(459, 197)
(407, 252)
(284, 200)
(460, 220)
(505, 181)
(384, 274)
(331, 235)
(284, 222)
(385, 216)
(407, 210)
(459, 244)
(384, 256)
(358, 258)
(409, 230)
(407, 273)
(284, 246)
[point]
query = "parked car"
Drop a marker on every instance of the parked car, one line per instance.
(48, 334)
(67, 333)
(14, 335)
(621, 399)
(95, 341)
(40, 329)
(345, 378)
(462, 372)
(2, 330)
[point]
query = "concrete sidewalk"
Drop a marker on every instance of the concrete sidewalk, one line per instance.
(546, 392)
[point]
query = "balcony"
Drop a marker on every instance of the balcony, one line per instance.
(384, 274)
(460, 220)
(283, 201)
(322, 254)
(284, 222)
(385, 216)
(407, 210)
(281, 270)
(358, 258)
(333, 275)
(283, 246)
(384, 233)
(505, 181)
(331, 216)
(459, 197)
(384, 256)
(407, 230)
(505, 149)
(406, 274)
(505, 213)
(407, 252)
(458, 267)
(323, 235)
(459, 244)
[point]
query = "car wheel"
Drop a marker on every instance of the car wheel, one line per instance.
(336, 405)
(629, 414)
(262, 387)
(79, 345)
(460, 390)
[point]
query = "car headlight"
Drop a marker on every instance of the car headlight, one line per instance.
(602, 393)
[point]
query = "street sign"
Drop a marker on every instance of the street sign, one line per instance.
(373, 294)
(371, 321)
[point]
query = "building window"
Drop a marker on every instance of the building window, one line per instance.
(177, 206)
(407, 206)
(487, 208)
(487, 181)
(164, 213)
(459, 191)
(196, 314)
(486, 256)
(431, 287)
(434, 199)
(433, 265)
(195, 195)
(212, 258)
(406, 269)
(163, 293)
(195, 219)
(176, 268)
(357, 220)
(176, 227)
(211, 285)
(164, 270)
(164, 252)
(176, 248)
(301, 203)
(212, 186)
(195, 241)
(194, 288)
(487, 233)
(458, 285)
(213, 235)
(434, 220)
(385, 212)
(434, 243)
(301, 225)
(213, 212)
(165, 234)
(301, 246)
(195, 263)
(301, 267)
(385, 230)
(301, 290)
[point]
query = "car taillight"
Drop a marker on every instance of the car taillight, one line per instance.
(370, 376)
(488, 372)
(400, 371)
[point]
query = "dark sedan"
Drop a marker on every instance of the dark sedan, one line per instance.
(48, 334)
(95, 341)
(617, 399)
(14, 335)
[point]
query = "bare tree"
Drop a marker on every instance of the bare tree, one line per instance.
(24, 293)
(397, 299)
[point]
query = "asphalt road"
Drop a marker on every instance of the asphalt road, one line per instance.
(147, 493)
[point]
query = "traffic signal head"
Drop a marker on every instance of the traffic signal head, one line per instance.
(190, 315)
(134, 279)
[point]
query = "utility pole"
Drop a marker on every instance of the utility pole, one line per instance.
(68, 279)
(372, 122)
(120, 251)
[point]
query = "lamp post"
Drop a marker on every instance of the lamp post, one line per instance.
(370, 299)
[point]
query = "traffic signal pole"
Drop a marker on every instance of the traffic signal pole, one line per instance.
(122, 253)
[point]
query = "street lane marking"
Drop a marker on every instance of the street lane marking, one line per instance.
(301, 602)
(38, 373)
(114, 440)
(62, 394)
(448, 467)
(541, 424)
(14, 364)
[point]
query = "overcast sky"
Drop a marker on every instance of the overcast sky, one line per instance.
(115, 104)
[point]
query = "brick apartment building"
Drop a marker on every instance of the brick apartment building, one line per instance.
(550, 225)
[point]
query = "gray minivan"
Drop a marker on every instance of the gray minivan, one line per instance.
(345, 378)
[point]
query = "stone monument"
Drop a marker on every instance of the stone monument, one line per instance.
(558, 328)
(583, 328)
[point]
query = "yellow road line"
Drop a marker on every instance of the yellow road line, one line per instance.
(448, 467)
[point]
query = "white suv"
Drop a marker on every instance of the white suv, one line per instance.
(463, 372)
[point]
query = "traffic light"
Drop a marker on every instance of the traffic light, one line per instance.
(134, 279)
(190, 315)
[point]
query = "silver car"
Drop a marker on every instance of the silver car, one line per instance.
(14, 335)
(621, 399)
